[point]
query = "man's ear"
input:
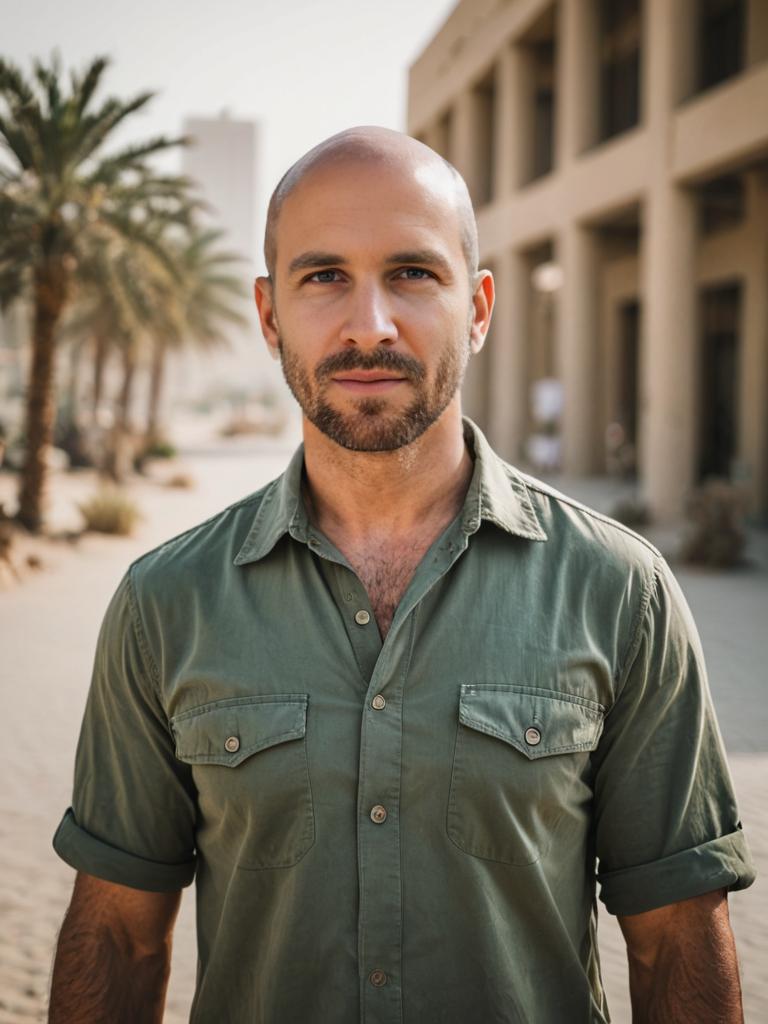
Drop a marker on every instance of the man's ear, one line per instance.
(482, 307)
(263, 291)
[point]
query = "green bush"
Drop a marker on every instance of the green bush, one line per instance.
(110, 511)
(160, 449)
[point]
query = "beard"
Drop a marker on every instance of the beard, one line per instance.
(372, 425)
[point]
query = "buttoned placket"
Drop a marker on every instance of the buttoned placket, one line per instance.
(384, 670)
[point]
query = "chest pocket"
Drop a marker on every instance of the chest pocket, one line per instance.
(521, 763)
(249, 758)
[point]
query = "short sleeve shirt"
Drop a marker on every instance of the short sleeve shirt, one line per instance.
(411, 830)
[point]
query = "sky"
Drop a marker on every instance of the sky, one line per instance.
(301, 68)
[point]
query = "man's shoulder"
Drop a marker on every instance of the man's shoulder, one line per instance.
(201, 550)
(582, 530)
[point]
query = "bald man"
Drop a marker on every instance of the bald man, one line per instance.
(400, 712)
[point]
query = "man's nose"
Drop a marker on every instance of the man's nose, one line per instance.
(369, 320)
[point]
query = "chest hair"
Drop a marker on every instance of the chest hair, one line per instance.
(385, 573)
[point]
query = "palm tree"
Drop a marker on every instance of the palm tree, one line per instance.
(57, 191)
(193, 310)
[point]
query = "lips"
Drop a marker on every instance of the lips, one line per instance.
(367, 382)
(367, 377)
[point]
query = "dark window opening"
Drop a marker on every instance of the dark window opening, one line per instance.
(629, 339)
(720, 312)
(722, 204)
(619, 27)
(485, 111)
(721, 40)
(543, 108)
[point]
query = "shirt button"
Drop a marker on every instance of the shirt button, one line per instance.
(362, 618)
(232, 744)
(377, 978)
(378, 702)
(378, 814)
(532, 737)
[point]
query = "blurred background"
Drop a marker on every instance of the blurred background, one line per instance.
(617, 155)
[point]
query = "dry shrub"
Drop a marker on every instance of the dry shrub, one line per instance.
(715, 534)
(110, 511)
(181, 481)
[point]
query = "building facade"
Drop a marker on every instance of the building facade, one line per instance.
(617, 155)
(223, 160)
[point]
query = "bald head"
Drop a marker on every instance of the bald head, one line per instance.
(380, 148)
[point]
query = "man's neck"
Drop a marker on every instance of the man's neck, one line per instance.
(360, 496)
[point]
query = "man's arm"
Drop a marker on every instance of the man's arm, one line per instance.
(682, 963)
(113, 956)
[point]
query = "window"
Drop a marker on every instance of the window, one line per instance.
(619, 49)
(721, 40)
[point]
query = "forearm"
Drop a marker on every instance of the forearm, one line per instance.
(100, 978)
(689, 979)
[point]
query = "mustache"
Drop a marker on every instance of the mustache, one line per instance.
(386, 359)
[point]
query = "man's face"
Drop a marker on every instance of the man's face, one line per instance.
(373, 314)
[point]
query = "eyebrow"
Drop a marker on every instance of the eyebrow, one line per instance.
(423, 257)
(314, 259)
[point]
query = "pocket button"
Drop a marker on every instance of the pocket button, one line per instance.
(532, 737)
(232, 744)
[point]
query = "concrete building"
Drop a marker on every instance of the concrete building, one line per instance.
(223, 159)
(617, 156)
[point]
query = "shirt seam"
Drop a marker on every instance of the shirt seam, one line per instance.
(649, 589)
(257, 496)
(563, 499)
(141, 638)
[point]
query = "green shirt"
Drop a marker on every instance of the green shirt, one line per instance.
(410, 830)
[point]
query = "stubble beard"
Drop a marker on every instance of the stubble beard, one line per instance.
(371, 427)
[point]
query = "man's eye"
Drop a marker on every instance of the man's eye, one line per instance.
(415, 274)
(324, 276)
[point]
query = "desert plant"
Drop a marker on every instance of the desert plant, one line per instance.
(110, 510)
(715, 533)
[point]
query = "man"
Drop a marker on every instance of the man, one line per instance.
(398, 710)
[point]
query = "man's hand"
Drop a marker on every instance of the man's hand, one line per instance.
(682, 963)
(113, 956)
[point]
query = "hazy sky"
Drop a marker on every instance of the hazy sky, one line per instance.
(302, 68)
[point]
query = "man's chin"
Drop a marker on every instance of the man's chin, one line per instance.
(369, 430)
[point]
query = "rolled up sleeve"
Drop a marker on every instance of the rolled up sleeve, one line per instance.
(666, 822)
(132, 819)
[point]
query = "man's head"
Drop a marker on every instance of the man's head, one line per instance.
(378, 147)
(373, 300)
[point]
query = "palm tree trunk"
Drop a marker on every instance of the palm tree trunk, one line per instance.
(119, 458)
(100, 346)
(49, 297)
(156, 380)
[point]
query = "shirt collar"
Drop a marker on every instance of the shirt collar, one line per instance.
(497, 493)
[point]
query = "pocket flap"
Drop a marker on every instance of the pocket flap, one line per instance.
(228, 731)
(535, 722)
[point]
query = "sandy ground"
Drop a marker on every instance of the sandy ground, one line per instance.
(48, 628)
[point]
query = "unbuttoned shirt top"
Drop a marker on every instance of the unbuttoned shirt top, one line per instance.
(409, 830)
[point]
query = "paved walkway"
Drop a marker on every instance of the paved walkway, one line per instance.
(48, 630)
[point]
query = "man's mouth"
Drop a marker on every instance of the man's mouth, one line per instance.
(368, 382)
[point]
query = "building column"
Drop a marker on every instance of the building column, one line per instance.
(433, 137)
(577, 331)
(514, 120)
(669, 367)
(669, 377)
(753, 375)
(465, 151)
(508, 340)
(576, 88)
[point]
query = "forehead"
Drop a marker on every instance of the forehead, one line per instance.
(371, 207)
